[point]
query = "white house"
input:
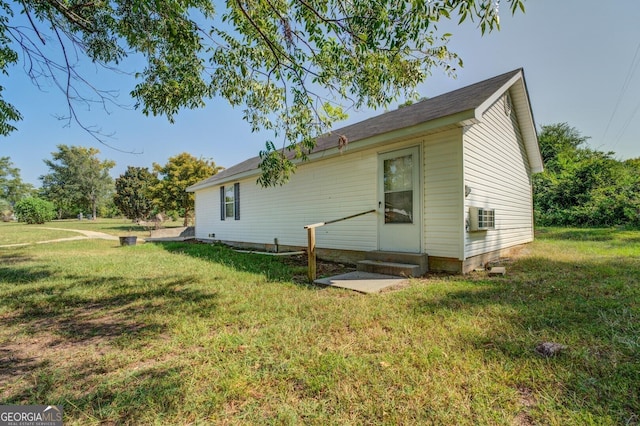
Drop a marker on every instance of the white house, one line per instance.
(449, 177)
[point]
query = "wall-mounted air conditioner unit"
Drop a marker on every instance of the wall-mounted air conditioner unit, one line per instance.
(481, 219)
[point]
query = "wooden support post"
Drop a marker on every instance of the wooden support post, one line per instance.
(311, 236)
(311, 253)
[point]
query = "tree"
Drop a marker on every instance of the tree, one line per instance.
(77, 180)
(581, 186)
(180, 172)
(295, 66)
(34, 210)
(133, 192)
(6, 211)
(12, 188)
(559, 143)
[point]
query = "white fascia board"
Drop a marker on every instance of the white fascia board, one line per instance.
(460, 119)
(522, 106)
(528, 128)
(483, 107)
(233, 178)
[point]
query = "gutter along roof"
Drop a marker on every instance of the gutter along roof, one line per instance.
(460, 107)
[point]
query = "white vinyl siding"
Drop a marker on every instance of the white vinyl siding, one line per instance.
(319, 191)
(340, 186)
(442, 218)
(207, 210)
(496, 170)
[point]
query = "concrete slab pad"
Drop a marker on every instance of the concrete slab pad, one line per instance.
(364, 282)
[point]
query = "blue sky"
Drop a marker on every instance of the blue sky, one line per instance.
(578, 56)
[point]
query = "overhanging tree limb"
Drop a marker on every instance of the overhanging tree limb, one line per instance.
(295, 65)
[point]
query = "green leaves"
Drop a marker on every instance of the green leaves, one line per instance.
(308, 55)
(34, 210)
(133, 192)
(276, 166)
(12, 188)
(77, 179)
(180, 171)
(295, 66)
(581, 186)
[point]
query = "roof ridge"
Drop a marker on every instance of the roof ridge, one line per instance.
(445, 104)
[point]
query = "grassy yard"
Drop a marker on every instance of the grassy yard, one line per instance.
(19, 233)
(192, 334)
(117, 227)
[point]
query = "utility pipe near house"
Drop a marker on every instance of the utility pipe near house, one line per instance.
(311, 241)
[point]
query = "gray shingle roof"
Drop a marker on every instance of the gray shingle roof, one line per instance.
(451, 103)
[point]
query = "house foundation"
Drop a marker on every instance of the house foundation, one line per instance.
(352, 257)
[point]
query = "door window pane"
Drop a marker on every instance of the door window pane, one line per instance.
(398, 207)
(398, 189)
(398, 173)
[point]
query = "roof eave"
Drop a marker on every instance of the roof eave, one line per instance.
(460, 119)
(524, 113)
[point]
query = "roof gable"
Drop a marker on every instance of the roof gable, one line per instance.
(462, 106)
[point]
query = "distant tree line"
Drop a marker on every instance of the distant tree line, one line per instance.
(79, 183)
(582, 186)
(141, 193)
(12, 188)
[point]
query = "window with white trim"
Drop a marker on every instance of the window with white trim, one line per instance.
(230, 202)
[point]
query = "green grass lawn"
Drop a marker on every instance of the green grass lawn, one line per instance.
(191, 334)
(18, 233)
(117, 227)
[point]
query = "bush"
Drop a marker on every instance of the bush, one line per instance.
(581, 186)
(174, 215)
(108, 209)
(34, 210)
(6, 211)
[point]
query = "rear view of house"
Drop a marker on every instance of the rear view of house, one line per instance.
(449, 178)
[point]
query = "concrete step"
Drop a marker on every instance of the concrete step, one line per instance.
(399, 257)
(390, 268)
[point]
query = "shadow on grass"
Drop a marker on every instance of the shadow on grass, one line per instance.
(14, 269)
(78, 315)
(74, 319)
(155, 389)
(591, 307)
(57, 308)
(160, 389)
(14, 257)
(24, 275)
(15, 363)
(273, 268)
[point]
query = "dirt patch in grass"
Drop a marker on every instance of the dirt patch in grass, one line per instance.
(75, 342)
(24, 361)
(523, 419)
(323, 268)
(527, 400)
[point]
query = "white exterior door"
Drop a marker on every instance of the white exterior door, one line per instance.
(399, 224)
